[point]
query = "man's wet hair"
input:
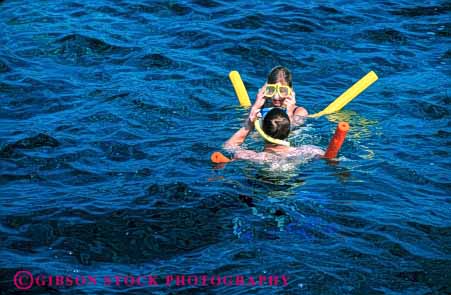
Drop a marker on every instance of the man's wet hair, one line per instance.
(276, 124)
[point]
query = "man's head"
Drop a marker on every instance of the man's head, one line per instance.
(276, 124)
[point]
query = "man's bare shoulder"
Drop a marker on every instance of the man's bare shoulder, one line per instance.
(309, 151)
(304, 151)
(260, 157)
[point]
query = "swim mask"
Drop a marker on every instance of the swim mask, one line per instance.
(272, 89)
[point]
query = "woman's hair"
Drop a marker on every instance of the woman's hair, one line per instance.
(276, 124)
(280, 73)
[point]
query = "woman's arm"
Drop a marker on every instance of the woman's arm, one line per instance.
(296, 114)
(259, 102)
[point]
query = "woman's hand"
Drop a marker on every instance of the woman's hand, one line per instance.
(290, 104)
(290, 101)
(260, 99)
(253, 116)
(259, 103)
(296, 114)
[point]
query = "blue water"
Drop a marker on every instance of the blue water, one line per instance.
(110, 110)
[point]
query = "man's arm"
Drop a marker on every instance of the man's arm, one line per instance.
(233, 145)
(239, 137)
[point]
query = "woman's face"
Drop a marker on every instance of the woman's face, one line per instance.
(278, 100)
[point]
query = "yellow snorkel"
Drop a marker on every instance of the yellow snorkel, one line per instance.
(268, 138)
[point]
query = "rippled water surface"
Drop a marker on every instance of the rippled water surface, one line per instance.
(110, 110)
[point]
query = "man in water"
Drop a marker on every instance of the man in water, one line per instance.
(276, 124)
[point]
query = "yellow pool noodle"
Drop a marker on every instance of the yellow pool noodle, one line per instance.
(240, 90)
(348, 95)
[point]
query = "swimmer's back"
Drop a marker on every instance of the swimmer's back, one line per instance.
(309, 151)
(306, 152)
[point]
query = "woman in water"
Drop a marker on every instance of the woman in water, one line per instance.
(278, 92)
